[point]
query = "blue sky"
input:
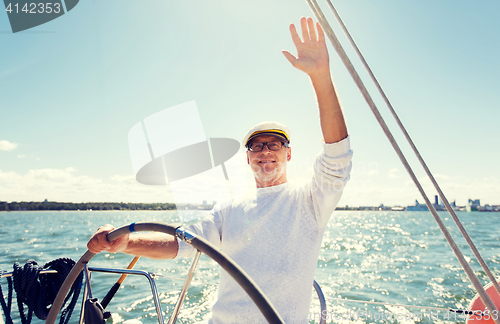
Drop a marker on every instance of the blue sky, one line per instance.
(73, 88)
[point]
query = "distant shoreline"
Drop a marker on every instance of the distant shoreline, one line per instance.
(90, 206)
(118, 206)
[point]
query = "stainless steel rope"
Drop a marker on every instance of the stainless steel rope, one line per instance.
(417, 153)
(406, 306)
(345, 59)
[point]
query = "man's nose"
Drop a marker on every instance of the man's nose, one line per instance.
(265, 148)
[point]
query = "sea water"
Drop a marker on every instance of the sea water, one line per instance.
(389, 257)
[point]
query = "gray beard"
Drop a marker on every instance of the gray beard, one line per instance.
(275, 174)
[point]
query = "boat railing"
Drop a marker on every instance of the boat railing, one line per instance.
(154, 291)
(182, 294)
(148, 275)
(9, 274)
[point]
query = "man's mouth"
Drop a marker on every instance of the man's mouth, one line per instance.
(267, 161)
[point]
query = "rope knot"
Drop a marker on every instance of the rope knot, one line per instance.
(39, 291)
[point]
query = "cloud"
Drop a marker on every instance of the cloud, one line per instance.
(212, 185)
(7, 146)
(394, 173)
(66, 185)
(461, 188)
(69, 185)
(366, 190)
(24, 156)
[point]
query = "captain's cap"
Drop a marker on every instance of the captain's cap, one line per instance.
(267, 128)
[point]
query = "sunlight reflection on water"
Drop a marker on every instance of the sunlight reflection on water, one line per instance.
(392, 257)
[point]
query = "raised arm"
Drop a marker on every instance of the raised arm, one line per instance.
(150, 245)
(312, 58)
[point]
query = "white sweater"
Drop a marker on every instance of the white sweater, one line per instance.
(275, 235)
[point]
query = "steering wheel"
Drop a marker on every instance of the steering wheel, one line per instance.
(238, 274)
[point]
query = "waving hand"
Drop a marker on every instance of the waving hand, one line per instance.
(312, 58)
(312, 55)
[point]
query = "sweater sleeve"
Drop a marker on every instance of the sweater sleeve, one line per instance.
(208, 228)
(331, 173)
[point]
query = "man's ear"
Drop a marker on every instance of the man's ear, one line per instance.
(289, 154)
(248, 158)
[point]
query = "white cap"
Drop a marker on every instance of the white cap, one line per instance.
(267, 128)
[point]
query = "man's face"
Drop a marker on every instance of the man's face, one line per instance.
(269, 167)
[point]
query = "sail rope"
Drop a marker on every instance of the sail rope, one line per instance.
(463, 311)
(39, 291)
(417, 153)
(465, 265)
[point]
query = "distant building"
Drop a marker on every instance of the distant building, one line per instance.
(473, 205)
(382, 207)
(488, 208)
(206, 206)
(417, 207)
(423, 207)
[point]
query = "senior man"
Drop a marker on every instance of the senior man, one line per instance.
(275, 233)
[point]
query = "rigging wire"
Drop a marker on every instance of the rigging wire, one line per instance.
(468, 312)
(338, 47)
(415, 150)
